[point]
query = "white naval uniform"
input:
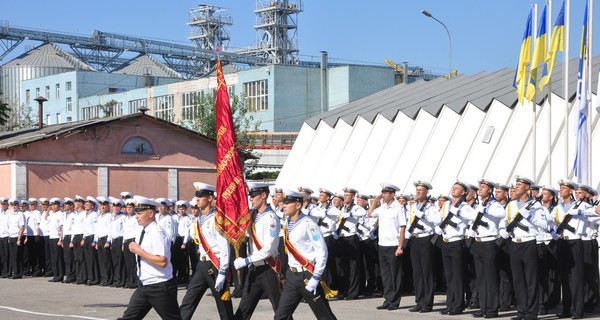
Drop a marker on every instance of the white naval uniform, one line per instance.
(157, 243)
(327, 216)
(349, 215)
(306, 237)
(266, 228)
(390, 219)
(428, 219)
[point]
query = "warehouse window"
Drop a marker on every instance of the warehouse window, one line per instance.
(137, 145)
(257, 95)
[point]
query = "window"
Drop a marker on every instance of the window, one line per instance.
(69, 119)
(58, 90)
(68, 86)
(256, 94)
(57, 118)
(47, 118)
(135, 105)
(137, 145)
(164, 108)
(189, 104)
(69, 105)
(37, 93)
(47, 92)
(27, 96)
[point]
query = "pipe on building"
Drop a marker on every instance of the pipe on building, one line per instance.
(324, 82)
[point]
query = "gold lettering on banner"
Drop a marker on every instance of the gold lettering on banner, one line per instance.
(231, 188)
(220, 132)
(225, 160)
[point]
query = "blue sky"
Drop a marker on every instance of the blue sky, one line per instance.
(486, 34)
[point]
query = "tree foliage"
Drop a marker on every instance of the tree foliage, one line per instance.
(4, 113)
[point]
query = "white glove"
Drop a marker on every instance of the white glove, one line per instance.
(311, 286)
(335, 236)
(438, 230)
(346, 214)
(504, 234)
(220, 282)
(470, 233)
(554, 235)
(372, 235)
(239, 263)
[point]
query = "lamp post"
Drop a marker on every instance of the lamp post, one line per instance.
(426, 13)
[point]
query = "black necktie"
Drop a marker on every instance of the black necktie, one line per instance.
(139, 260)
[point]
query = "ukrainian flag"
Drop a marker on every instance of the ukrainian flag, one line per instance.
(557, 43)
(539, 53)
(524, 58)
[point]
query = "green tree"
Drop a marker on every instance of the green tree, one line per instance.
(203, 120)
(4, 113)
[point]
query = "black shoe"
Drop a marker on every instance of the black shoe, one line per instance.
(341, 297)
(444, 312)
(16, 277)
(454, 313)
(577, 317)
(392, 308)
(504, 309)
(415, 309)
(491, 315)
(474, 306)
(563, 315)
(92, 283)
(478, 314)
(351, 298)
(517, 318)
(424, 310)
(69, 281)
(382, 307)
(543, 312)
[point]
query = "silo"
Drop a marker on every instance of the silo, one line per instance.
(45, 60)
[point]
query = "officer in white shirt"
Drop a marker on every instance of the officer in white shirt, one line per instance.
(46, 256)
(307, 253)
(103, 241)
(180, 253)
(212, 269)
(117, 220)
(56, 220)
(89, 243)
(32, 247)
(78, 230)
(16, 229)
(67, 238)
(422, 217)
(264, 267)
(130, 230)
(348, 245)
(391, 222)
(525, 218)
(4, 261)
(157, 287)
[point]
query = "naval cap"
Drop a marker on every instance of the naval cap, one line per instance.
(24, 202)
(462, 184)
(290, 196)
(69, 200)
(57, 201)
(552, 190)
(79, 198)
(163, 202)
(586, 188)
(488, 183)
(91, 200)
(143, 203)
(3, 200)
(305, 190)
(14, 200)
(126, 195)
(567, 183)
(44, 201)
(326, 191)
(103, 200)
(256, 188)
(33, 200)
(204, 189)
(182, 203)
(422, 183)
(524, 180)
(388, 187)
(350, 190)
(503, 186)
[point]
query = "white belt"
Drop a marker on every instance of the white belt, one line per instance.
(420, 235)
(522, 239)
(259, 263)
(453, 239)
(485, 239)
(571, 237)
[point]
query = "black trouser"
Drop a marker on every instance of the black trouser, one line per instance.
(69, 256)
(238, 276)
(590, 270)
(572, 276)
(471, 290)
(421, 257)
(79, 259)
(484, 258)
(4, 257)
(180, 260)
(204, 279)
(47, 245)
(390, 266)
(548, 272)
(505, 287)
(130, 265)
(27, 252)
(259, 280)
(91, 260)
(282, 256)
(330, 272)
(160, 296)
(58, 260)
(34, 264)
(192, 249)
(104, 262)
(15, 254)
(116, 257)
(349, 254)
(369, 264)
(293, 292)
(524, 265)
(454, 265)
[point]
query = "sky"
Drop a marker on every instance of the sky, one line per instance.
(486, 34)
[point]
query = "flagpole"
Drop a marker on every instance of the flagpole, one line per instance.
(566, 84)
(589, 88)
(533, 125)
(549, 102)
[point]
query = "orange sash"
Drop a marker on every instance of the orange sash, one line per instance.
(295, 253)
(211, 255)
(274, 263)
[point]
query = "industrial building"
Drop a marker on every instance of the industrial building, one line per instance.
(467, 128)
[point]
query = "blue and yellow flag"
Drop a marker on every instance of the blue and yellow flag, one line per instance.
(524, 58)
(539, 54)
(580, 165)
(557, 43)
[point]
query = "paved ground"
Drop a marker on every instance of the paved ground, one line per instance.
(36, 298)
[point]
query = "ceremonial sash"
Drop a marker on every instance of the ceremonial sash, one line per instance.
(274, 263)
(211, 255)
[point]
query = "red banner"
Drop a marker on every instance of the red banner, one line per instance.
(232, 215)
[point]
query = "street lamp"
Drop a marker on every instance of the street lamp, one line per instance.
(449, 41)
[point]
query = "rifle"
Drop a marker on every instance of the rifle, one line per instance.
(447, 221)
(515, 222)
(564, 225)
(480, 214)
(415, 224)
(342, 222)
